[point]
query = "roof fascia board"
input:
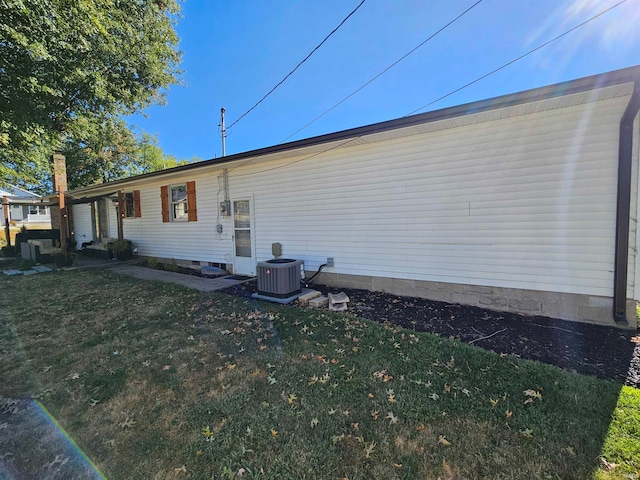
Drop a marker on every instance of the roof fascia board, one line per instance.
(616, 77)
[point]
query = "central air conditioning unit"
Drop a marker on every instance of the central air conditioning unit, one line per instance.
(280, 277)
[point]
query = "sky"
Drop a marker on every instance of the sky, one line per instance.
(234, 52)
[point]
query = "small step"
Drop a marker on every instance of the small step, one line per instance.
(338, 302)
(318, 302)
(306, 297)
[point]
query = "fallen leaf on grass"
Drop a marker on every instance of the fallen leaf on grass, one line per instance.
(608, 465)
(292, 398)
(508, 413)
(533, 394)
(493, 402)
(443, 441)
(369, 449)
(127, 423)
(274, 433)
(392, 418)
(314, 422)
(182, 469)
(527, 433)
(166, 367)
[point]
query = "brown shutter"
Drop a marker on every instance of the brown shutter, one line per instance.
(136, 204)
(192, 212)
(164, 195)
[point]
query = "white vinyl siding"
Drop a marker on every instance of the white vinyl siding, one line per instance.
(528, 202)
(524, 199)
(181, 240)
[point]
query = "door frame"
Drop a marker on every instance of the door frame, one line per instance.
(244, 265)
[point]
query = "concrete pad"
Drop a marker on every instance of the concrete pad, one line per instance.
(282, 301)
(190, 281)
(42, 269)
(12, 272)
(30, 272)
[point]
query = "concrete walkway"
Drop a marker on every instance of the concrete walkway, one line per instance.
(191, 281)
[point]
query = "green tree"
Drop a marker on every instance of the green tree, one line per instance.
(100, 153)
(67, 64)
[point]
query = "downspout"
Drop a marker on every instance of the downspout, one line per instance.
(623, 211)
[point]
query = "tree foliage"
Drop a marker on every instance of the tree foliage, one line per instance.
(101, 153)
(66, 64)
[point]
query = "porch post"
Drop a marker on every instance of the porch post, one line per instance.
(121, 214)
(60, 186)
(7, 227)
(63, 222)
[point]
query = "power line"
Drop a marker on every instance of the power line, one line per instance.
(299, 64)
(516, 59)
(438, 99)
(381, 73)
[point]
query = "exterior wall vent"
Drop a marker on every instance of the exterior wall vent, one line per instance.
(280, 277)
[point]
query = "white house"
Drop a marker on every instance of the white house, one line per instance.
(25, 208)
(525, 202)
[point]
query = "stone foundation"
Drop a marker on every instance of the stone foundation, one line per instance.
(567, 306)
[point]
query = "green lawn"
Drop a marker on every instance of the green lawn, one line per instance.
(155, 381)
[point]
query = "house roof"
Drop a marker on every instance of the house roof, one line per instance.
(17, 192)
(413, 124)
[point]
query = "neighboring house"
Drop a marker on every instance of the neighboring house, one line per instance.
(525, 202)
(25, 208)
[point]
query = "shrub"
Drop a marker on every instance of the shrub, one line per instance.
(171, 267)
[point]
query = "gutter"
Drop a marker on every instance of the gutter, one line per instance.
(623, 210)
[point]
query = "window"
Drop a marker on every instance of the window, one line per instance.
(179, 202)
(128, 205)
(37, 210)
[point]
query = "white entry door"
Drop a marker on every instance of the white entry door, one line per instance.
(244, 261)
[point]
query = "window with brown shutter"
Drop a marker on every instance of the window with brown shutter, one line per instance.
(179, 202)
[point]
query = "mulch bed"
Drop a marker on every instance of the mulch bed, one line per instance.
(605, 352)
